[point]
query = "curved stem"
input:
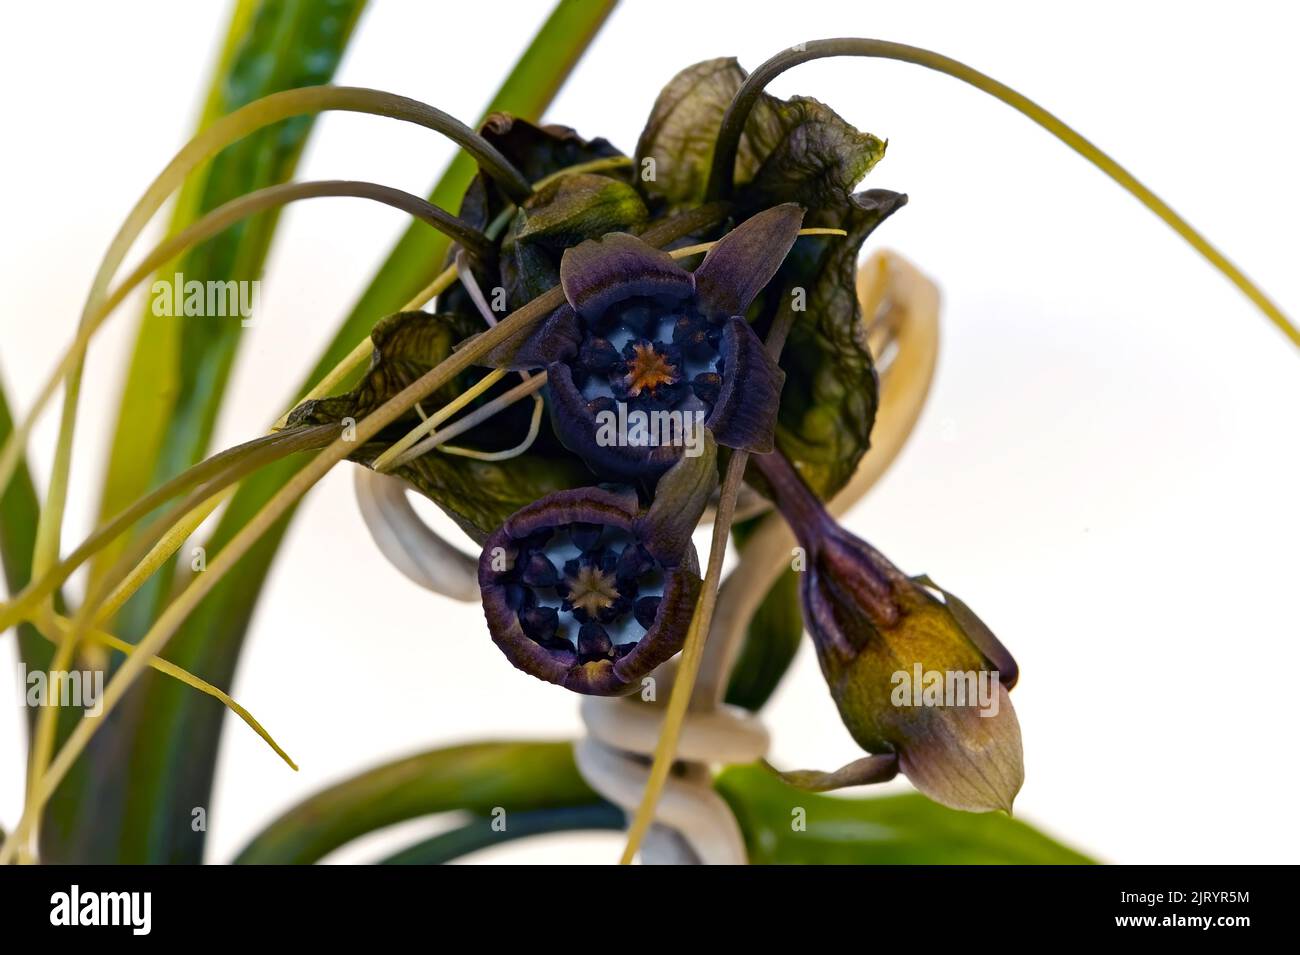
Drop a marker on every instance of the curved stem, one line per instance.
(442, 281)
(209, 141)
(534, 428)
(529, 386)
(722, 173)
(220, 218)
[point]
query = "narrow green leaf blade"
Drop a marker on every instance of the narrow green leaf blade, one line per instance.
(152, 821)
(19, 511)
(180, 365)
(519, 777)
(787, 826)
(166, 414)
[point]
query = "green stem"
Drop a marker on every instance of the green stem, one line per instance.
(722, 173)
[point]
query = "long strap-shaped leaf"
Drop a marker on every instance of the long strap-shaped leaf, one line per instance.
(478, 778)
(154, 800)
(179, 367)
(19, 510)
(173, 389)
(518, 789)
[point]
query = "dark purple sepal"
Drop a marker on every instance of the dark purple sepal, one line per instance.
(555, 338)
(601, 272)
(680, 498)
(745, 259)
(744, 415)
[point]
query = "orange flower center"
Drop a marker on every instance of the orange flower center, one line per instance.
(648, 369)
(591, 590)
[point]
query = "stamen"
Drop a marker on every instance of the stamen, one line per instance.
(591, 590)
(648, 369)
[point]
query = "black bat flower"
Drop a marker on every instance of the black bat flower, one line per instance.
(586, 589)
(644, 351)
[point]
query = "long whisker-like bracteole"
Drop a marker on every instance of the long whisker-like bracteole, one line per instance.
(722, 171)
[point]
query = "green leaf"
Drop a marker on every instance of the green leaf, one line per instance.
(679, 134)
(772, 639)
(19, 511)
(519, 777)
(883, 830)
(796, 150)
(180, 366)
(172, 758)
(484, 834)
(161, 745)
(828, 405)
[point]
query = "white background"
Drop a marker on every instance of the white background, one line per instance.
(1107, 469)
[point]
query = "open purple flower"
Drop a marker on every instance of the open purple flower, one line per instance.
(645, 352)
(584, 589)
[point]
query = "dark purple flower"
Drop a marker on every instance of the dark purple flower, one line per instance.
(584, 589)
(640, 336)
(918, 679)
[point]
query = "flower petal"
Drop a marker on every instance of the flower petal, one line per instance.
(744, 415)
(601, 272)
(965, 758)
(745, 259)
(680, 499)
(584, 505)
(681, 590)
